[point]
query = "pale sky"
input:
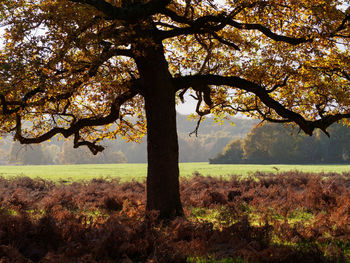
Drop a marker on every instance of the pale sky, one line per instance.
(188, 107)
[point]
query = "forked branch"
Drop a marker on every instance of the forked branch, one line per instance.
(76, 126)
(288, 115)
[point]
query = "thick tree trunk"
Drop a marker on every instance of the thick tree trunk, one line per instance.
(163, 157)
(162, 143)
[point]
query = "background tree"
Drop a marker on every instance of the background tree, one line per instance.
(70, 155)
(271, 143)
(276, 143)
(73, 67)
(212, 138)
(3, 151)
(232, 153)
(52, 151)
(24, 155)
(336, 148)
(192, 148)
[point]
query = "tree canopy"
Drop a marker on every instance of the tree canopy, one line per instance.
(74, 67)
(70, 63)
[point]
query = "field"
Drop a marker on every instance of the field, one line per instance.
(128, 172)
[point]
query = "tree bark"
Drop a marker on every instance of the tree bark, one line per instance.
(163, 193)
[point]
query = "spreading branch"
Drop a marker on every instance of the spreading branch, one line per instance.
(212, 23)
(78, 125)
(288, 115)
(131, 13)
(14, 106)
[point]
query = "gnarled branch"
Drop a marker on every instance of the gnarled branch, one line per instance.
(288, 115)
(76, 126)
(131, 13)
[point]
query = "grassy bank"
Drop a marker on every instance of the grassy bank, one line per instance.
(128, 172)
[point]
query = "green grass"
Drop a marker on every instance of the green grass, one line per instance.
(127, 172)
(77, 172)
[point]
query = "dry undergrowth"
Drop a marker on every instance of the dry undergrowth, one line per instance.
(289, 217)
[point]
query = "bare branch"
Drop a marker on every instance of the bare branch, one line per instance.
(195, 132)
(182, 93)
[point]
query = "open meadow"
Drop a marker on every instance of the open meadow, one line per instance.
(234, 213)
(266, 213)
(128, 172)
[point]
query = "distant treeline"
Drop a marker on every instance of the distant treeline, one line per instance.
(276, 143)
(212, 138)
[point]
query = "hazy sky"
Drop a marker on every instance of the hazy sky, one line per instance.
(188, 107)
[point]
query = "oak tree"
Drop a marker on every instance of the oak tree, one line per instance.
(79, 67)
(33, 154)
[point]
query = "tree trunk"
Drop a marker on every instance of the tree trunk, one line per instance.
(162, 143)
